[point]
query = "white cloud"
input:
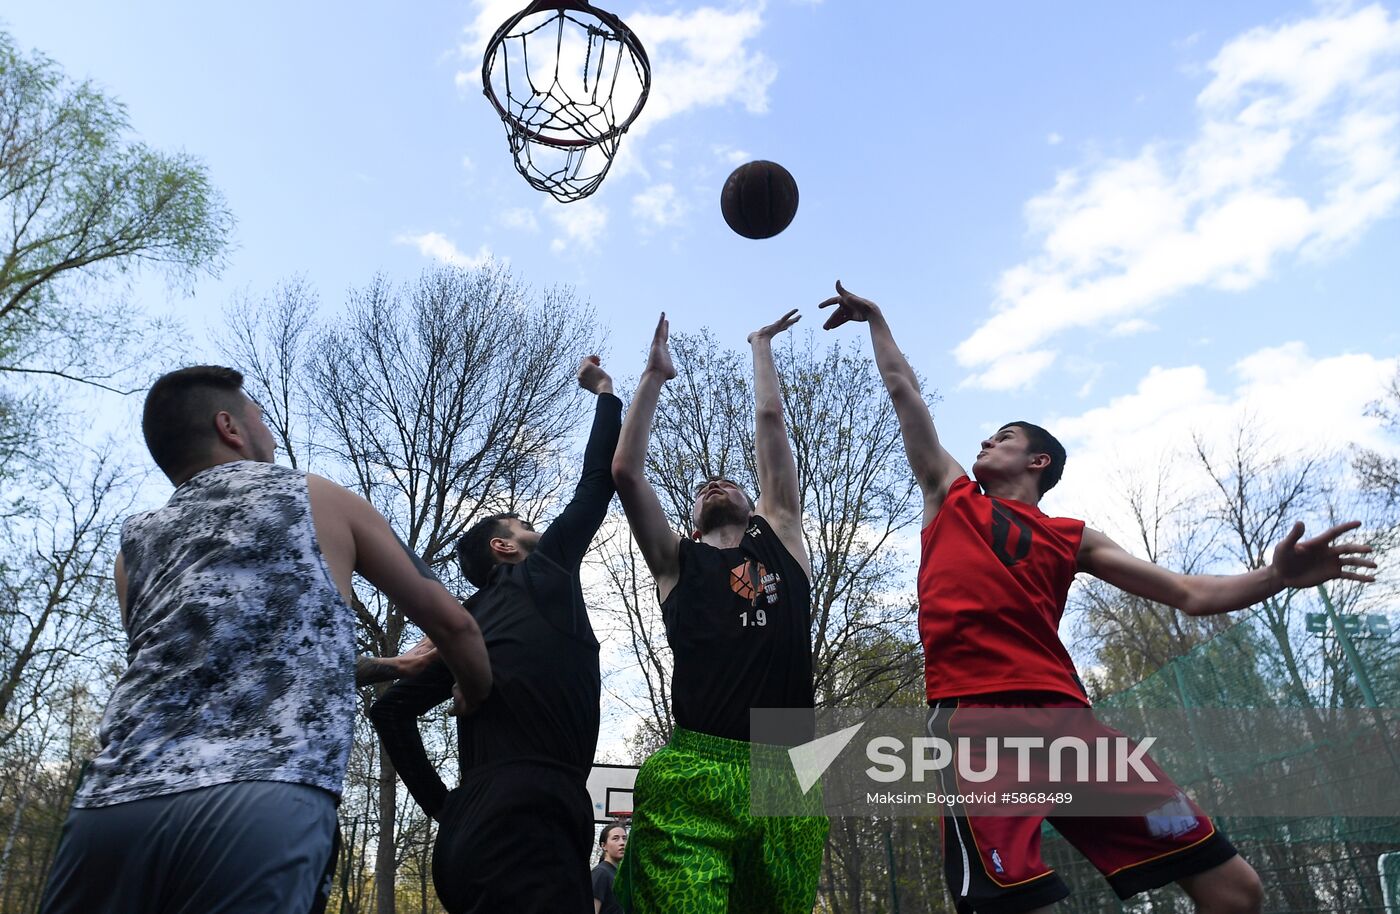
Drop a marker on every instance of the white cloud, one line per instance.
(1054, 139)
(699, 58)
(519, 218)
(440, 247)
(1132, 327)
(731, 156)
(582, 224)
(1297, 153)
(702, 59)
(1014, 370)
(659, 206)
(490, 14)
(1295, 403)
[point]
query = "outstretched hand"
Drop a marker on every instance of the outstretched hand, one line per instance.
(659, 358)
(778, 326)
(848, 308)
(592, 377)
(1305, 563)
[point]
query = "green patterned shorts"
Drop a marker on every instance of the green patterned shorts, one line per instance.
(695, 847)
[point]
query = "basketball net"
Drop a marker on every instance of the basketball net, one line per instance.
(558, 73)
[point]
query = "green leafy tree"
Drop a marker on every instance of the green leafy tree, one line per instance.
(81, 202)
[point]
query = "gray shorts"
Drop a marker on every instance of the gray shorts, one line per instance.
(253, 847)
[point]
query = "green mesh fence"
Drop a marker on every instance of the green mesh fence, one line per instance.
(1296, 653)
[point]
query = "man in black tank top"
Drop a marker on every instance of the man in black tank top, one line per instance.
(735, 598)
(516, 834)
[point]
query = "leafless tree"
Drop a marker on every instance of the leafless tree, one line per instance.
(57, 606)
(1130, 636)
(39, 769)
(1379, 472)
(269, 339)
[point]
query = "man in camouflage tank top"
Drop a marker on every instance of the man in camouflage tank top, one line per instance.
(221, 762)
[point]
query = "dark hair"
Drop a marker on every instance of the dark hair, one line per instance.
(1042, 442)
(603, 835)
(178, 419)
(474, 547)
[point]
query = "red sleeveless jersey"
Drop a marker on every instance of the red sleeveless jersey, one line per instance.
(993, 578)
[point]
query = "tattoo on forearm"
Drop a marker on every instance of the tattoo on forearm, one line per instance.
(417, 560)
(369, 670)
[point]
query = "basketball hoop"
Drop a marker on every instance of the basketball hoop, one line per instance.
(561, 109)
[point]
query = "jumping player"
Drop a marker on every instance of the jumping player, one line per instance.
(222, 758)
(515, 834)
(735, 599)
(993, 577)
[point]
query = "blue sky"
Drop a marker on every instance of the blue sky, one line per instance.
(1133, 223)
(1127, 221)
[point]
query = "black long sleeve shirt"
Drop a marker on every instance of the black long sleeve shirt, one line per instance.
(543, 703)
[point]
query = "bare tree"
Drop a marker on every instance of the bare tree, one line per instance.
(1258, 493)
(1379, 473)
(269, 340)
(1130, 636)
(39, 769)
(627, 593)
(57, 606)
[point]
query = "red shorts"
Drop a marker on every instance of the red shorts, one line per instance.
(993, 862)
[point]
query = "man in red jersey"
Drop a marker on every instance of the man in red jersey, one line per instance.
(993, 578)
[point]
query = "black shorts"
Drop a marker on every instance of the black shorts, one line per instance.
(516, 836)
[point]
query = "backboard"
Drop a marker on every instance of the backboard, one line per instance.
(610, 788)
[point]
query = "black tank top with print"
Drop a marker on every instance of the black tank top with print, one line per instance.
(739, 623)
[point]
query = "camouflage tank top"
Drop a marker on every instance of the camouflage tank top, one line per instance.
(241, 652)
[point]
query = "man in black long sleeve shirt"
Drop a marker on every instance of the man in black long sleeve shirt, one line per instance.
(517, 833)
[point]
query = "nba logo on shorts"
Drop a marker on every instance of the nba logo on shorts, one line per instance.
(1172, 819)
(996, 862)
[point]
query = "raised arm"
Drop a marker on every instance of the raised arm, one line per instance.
(1296, 563)
(934, 468)
(779, 499)
(659, 544)
(567, 538)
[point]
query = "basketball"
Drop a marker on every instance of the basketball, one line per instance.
(759, 199)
